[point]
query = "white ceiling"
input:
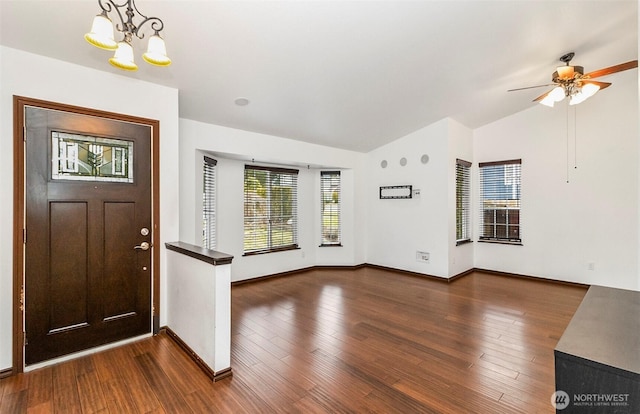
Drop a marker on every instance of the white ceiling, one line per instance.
(348, 74)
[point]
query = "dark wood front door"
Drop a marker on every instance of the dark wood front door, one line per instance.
(88, 213)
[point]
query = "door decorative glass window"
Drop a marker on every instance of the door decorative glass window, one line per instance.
(87, 158)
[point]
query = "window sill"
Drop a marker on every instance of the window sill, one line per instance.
(331, 245)
(275, 250)
(513, 243)
(461, 242)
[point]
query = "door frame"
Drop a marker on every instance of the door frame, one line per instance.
(19, 132)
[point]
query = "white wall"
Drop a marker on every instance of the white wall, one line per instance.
(34, 76)
(591, 219)
(232, 148)
(400, 227)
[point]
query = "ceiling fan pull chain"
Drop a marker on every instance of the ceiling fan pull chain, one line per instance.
(575, 138)
(567, 133)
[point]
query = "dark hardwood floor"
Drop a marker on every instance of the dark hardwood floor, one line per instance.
(328, 341)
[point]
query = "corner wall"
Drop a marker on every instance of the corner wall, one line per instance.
(586, 230)
(399, 228)
(34, 76)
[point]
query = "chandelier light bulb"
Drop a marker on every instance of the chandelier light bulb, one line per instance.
(123, 58)
(101, 34)
(156, 53)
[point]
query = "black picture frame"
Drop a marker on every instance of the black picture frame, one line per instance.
(396, 192)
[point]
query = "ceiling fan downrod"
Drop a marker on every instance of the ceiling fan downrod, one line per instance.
(566, 58)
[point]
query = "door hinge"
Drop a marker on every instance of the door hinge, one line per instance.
(24, 133)
(24, 236)
(22, 298)
(26, 341)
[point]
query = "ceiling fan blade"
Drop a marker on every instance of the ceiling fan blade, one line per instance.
(531, 87)
(541, 97)
(612, 69)
(602, 85)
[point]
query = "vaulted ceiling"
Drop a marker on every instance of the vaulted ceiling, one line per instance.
(348, 74)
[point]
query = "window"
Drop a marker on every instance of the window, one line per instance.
(270, 209)
(209, 203)
(330, 196)
(500, 201)
(87, 158)
(463, 202)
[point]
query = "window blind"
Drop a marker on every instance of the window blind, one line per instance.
(270, 209)
(500, 218)
(463, 201)
(330, 208)
(209, 203)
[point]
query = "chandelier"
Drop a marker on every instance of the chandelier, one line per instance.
(101, 35)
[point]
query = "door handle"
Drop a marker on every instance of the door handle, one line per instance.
(143, 246)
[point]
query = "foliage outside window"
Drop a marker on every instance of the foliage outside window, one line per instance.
(270, 209)
(209, 203)
(330, 196)
(500, 218)
(463, 201)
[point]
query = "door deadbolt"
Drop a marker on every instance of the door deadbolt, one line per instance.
(143, 246)
(144, 231)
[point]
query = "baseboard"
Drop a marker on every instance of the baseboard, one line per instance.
(461, 275)
(6, 373)
(213, 375)
(347, 267)
(297, 271)
(273, 276)
(528, 277)
(409, 273)
(340, 267)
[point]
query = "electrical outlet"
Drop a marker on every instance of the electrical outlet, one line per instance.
(591, 266)
(422, 256)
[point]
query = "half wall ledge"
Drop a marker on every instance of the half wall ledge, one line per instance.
(209, 256)
(199, 305)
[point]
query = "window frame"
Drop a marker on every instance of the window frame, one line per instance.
(287, 173)
(506, 215)
(323, 192)
(463, 202)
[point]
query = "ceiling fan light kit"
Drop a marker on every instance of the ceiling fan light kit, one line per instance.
(557, 94)
(571, 82)
(101, 35)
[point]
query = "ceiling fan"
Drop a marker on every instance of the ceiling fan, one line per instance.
(571, 82)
